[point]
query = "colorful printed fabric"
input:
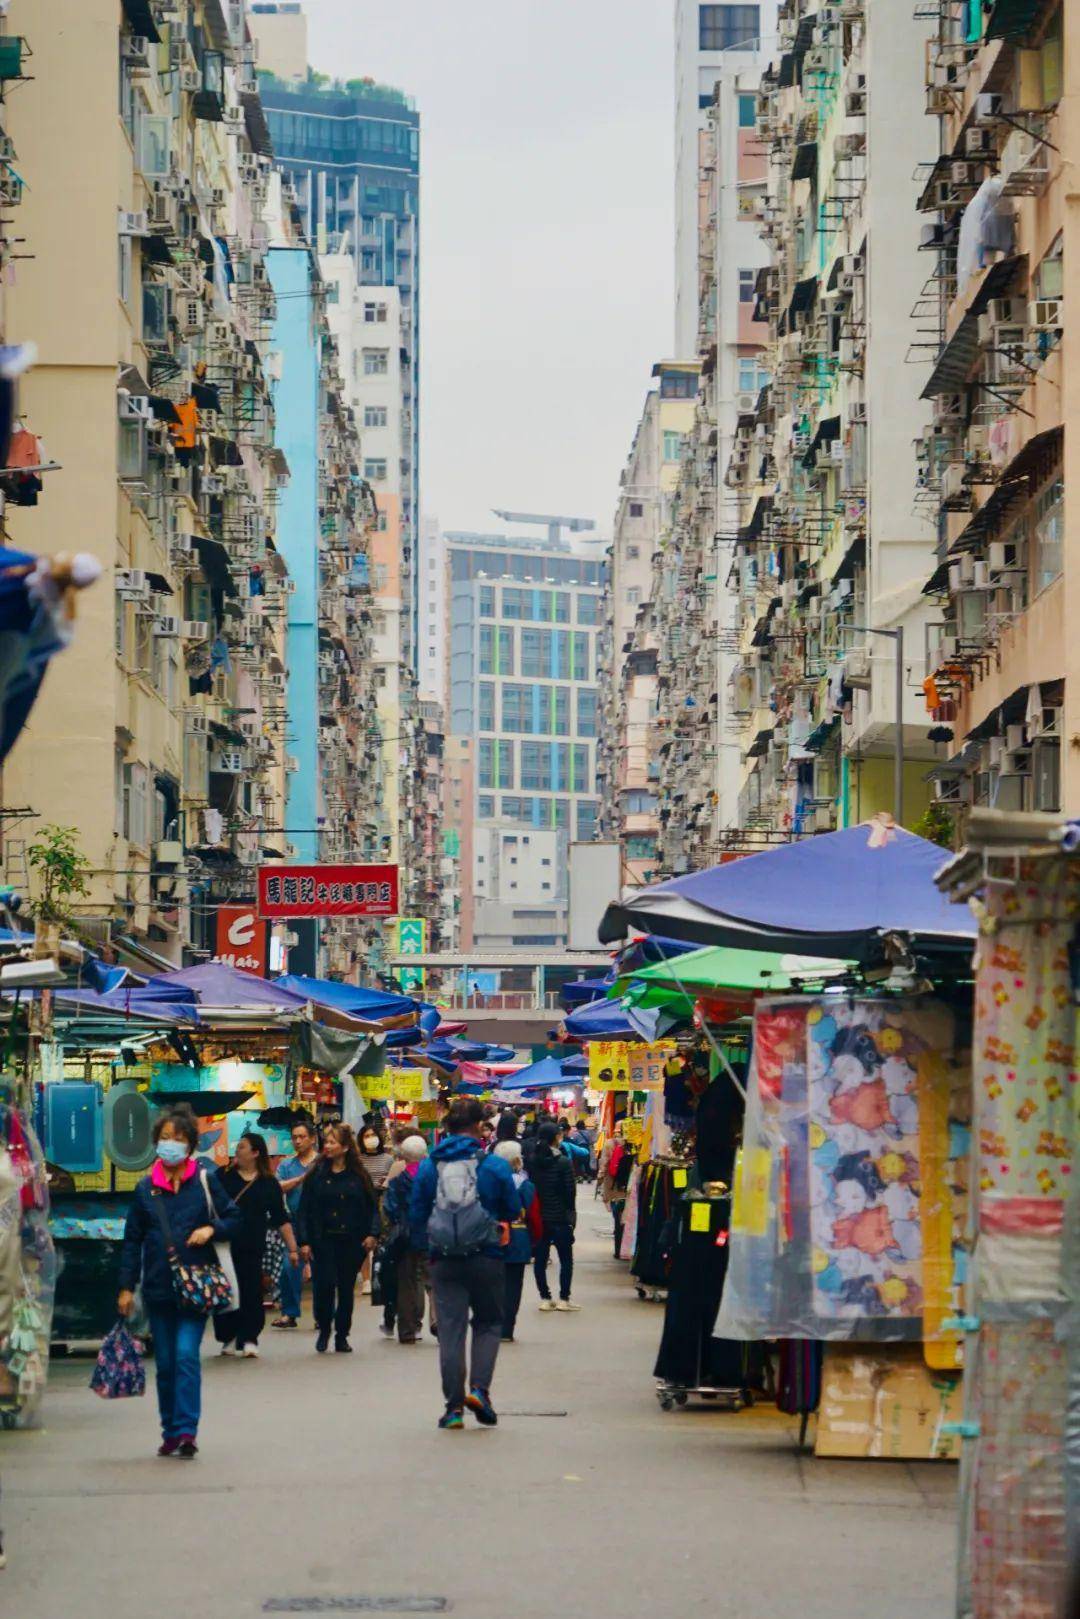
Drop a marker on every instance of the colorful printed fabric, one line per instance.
(119, 1373)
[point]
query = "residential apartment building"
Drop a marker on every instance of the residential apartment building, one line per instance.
(1003, 668)
(830, 556)
(431, 652)
(352, 150)
(523, 620)
(629, 764)
(177, 734)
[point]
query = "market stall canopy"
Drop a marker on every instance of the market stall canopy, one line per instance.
(220, 987)
(837, 894)
(352, 999)
(537, 1076)
(644, 951)
(580, 991)
(612, 1020)
(720, 968)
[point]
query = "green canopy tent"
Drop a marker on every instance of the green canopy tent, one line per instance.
(719, 970)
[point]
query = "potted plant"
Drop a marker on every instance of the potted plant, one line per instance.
(62, 871)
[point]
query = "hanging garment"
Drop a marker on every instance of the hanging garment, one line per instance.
(798, 1383)
(690, 1356)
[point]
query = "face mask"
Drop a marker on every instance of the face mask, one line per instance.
(370, 1143)
(172, 1152)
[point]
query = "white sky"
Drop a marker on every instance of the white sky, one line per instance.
(546, 234)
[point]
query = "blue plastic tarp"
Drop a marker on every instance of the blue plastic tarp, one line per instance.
(580, 991)
(548, 1071)
(611, 1020)
(352, 999)
(214, 984)
(833, 895)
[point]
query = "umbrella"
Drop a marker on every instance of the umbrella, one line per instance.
(652, 948)
(579, 991)
(548, 1071)
(836, 894)
(613, 1020)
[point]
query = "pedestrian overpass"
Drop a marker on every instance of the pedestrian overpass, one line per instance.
(508, 997)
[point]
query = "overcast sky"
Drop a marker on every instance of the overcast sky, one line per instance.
(546, 234)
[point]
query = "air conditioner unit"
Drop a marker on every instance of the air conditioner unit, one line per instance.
(132, 584)
(1045, 314)
(978, 142)
(745, 403)
(857, 411)
(229, 761)
(217, 197)
(948, 647)
(213, 483)
(850, 145)
(233, 119)
(182, 545)
(1046, 774)
(191, 80)
(219, 333)
(135, 50)
(1003, 556)
(855, 104)
(133, 407)
(952, 481)
(196, 724)
(195, 629)
(837, 450)
(988, 106)
(167, 624)
(292, 763)
(249, 728)
(131, 223)
(162, 209)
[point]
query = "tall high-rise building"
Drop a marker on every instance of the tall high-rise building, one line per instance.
(431, 652)
(523, 628)
(352, 149)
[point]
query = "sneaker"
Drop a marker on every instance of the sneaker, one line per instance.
(366, 1287)
(250, 1351)
(547, 1304)
(408, 1340)
(168, 1447)
(342, 1346)
(565, 1304)
(229, 1349)
(479, 1403)
(322, 1343)
(452, 1418)
(285, 1322)
(508, 1338)
(385, 1331)
(187, 1448)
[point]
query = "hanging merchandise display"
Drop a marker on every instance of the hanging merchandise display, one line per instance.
(830, 1197)
(691, 1358)
(27, 1271)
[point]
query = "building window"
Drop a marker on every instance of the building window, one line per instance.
(580, 669)
(586, 820)
(485, 809)
(588, 609)
(535, 767)
(633, 552)
(586, 712)
(678, 385)
(746, 286)
(517, 709)
(640, 846)
(381, 522)
(724, 28)
(1048, 533)
(375, 470)
(373, 313)
(136, 804)
(376, 362)
(673, 443)
(636, 509)
(747, 111)
(486, 707)
(374, 415)
(487, 601)
(747, 374)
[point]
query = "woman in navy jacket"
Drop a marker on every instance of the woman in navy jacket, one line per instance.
(199, 1212)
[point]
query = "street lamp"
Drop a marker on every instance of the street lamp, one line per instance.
(898, 750)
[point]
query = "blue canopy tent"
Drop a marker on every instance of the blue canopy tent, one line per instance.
(648, 951)
(352, 999)
(537, 1076)
(611, 1020)
(835, 895)
(580, 991)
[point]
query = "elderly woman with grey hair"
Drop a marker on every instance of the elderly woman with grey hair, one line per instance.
(411, 1263)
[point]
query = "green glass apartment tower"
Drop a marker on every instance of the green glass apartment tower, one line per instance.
(353, 153)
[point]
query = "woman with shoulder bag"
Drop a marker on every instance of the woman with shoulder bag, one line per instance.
(260, 1203)
(177, 1213)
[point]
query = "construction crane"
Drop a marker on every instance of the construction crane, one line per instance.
(573, 525)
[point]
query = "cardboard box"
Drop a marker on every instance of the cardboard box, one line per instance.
(885, 1402)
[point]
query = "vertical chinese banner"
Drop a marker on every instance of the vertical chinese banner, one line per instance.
(411, 941)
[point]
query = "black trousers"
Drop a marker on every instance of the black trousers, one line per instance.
(562, 1237)
(515, 1280)
(617, 1210)
(244, 1325)
(335, 1265)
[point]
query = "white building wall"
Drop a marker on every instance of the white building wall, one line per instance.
(431, 652)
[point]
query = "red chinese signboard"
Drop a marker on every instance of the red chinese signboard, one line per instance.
(328, 890)
(241, 939)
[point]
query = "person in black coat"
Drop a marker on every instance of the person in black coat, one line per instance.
(260, 1202)
(339, 1224)
(552, 1174)
(188, 1199)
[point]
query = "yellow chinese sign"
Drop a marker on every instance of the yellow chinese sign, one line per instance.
(395, 1085)
(750, 1206)
(618, 1065)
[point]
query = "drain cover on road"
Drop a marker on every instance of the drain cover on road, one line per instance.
(536, 1413)
(359, 1604)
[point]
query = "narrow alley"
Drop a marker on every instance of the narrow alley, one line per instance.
(587, 1498)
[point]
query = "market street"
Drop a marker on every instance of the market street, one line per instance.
(327, 1479)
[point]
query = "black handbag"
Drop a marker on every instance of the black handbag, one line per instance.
(198, 1289)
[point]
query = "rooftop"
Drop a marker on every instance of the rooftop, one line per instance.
(320, 93)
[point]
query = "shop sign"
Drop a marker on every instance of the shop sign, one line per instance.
(411, 941)
(354, 890)
(395, 1085)
(619, 1065)
(242, 939)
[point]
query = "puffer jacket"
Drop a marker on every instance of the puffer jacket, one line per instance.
(553, 1176)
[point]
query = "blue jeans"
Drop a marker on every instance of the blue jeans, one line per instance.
(289, 1288)
(176, 1368)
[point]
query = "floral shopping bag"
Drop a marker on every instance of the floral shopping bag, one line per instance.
(119, 1373)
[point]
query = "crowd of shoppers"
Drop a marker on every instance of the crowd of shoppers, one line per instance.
(455, 1231)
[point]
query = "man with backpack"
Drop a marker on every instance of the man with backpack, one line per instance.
(463, 1203)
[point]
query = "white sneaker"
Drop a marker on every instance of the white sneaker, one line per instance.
(229, 1349)
(565, 1305)
(366, 1287)
(547, 1304)
(250, 1351)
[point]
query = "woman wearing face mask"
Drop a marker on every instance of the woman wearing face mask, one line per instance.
(339, 1223)
(261, 1204)
(198, 1212)
(378, 1161)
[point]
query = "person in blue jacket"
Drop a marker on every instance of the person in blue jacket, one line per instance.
(463, 1204)
(198, 1213)
(519, 1250)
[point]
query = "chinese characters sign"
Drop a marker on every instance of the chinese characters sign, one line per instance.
(617, 1065)
(328, 890)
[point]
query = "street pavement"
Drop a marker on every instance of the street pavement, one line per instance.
(323, 1486)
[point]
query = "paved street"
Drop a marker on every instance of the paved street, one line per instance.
(325, 1478)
